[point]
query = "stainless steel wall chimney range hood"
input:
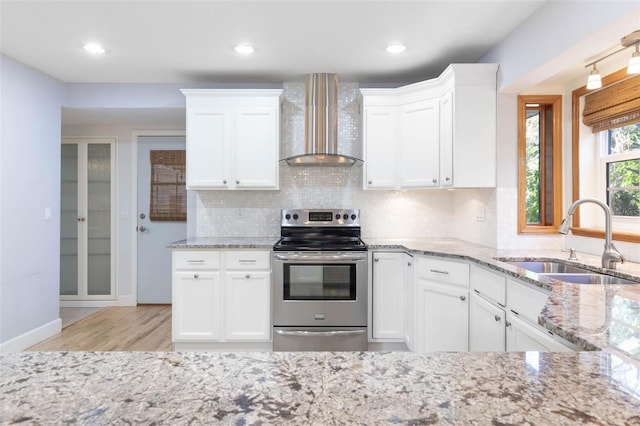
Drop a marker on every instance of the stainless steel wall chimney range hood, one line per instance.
(321, 125)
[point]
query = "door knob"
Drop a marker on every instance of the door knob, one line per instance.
(142, 228)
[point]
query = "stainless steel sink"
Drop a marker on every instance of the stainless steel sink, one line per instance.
(589, 279)
(550, 267)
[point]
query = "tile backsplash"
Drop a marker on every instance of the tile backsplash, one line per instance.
(384, 214)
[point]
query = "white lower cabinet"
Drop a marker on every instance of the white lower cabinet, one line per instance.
(247, 316)
(221, 299)
(486, 325)
(196, 306)
(441, 315)
(388, 295)
(522, 336)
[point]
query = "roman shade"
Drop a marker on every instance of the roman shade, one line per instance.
(615, 105)
(168, 197)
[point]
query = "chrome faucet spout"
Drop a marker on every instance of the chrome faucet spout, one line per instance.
(611, 256)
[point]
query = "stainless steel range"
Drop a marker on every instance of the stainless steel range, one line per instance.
(320, 282)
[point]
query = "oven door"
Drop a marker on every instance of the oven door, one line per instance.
(320, 289)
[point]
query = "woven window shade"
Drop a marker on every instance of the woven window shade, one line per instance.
(168, 190)
(613, 106)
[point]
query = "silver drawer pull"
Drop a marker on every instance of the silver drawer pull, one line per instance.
(497, 318)
(195, 261)
(195, 276)
(463, 298)
(247, 261)
(437, 271)
(301, 333)
(247, 276)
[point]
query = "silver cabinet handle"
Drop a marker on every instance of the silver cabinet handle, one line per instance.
(463, 298)
(247, 260)
(497, 318)
(195, 276)
(447, 179)
(435, 180)
(340, 257)
(408, 263)
(508, 324)
(237, 182)
(370, 182)
(224, 181)
(376, 260)
(437, 271)
(247, 276)
(195, 261)
(81, 219)
(335, 333)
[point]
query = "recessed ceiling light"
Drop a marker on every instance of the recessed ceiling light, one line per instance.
(244, 49)
(94, 48)
(396, 48)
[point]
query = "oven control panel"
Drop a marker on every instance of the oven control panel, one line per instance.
(320, 217)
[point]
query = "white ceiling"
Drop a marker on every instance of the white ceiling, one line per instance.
(191, 42)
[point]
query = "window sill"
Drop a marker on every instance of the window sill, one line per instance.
(629, 237)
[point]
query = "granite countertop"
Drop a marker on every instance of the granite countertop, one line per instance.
(318, 388)
(224, 243)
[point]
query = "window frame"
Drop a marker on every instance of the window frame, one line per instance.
(555, 101)
(576, 114)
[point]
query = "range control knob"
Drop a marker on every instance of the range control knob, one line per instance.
(338, 216)
(295, 216)
(353, 216)
(287, 216)
(345, 216)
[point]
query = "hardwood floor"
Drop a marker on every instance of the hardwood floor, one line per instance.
(136, 328)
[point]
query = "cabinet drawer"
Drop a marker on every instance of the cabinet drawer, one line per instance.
(527, 302)
(196, 259)
(443, 271)
(489, 284)
(248, 260)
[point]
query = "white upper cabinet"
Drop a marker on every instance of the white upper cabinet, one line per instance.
(437, 133)
(419, 149)
(232, 139)
(380, 124)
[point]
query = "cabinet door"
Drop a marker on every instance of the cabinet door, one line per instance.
(486, 325)
(446, 139)
(248, 306)
(380, 145)
(418, 164)
(522, 336)
(388, 295)
(442, 317)
(208, 141)
(197, 305)
(409, 301)
(256, 147)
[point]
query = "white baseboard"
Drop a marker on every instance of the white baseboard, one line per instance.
(122, 301)
(31, 337)
(127, 301)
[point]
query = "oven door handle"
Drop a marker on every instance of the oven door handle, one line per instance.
(322, 257)
(336, 333)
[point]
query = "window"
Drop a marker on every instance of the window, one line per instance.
(621, 167)
(606, 155)
(539, 164)
(168, 195)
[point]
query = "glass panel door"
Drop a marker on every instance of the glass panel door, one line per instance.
(69, 220)
(99, 219)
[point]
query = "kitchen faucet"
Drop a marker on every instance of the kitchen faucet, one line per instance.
(611, 255)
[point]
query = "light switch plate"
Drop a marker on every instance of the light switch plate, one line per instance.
(48, 213)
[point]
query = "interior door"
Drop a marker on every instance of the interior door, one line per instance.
(155, 231)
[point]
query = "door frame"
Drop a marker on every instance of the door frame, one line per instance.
(134, 202)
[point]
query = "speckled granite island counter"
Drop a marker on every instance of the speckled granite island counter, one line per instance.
(319, 388)
(224, 243)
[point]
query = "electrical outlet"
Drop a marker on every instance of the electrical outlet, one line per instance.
(481, 214)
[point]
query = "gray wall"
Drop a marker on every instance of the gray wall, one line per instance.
(29, 182)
